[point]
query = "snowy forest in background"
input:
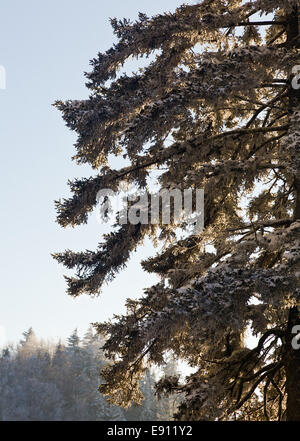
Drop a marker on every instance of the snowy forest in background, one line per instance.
(59, 382)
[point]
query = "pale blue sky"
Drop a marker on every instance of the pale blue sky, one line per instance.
(45, 47)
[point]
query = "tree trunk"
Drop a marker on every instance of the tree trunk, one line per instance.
(292, 355)
(292, 369)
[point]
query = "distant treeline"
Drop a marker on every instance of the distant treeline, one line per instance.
(43, 382)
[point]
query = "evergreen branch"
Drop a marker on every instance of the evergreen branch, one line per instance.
(276, 37)
(262, 108)
(266, 387)
(249, 131)
(260, 23)
(259, 225)
(258, 373)
(268, 141)
(280, 394)
(256, 384)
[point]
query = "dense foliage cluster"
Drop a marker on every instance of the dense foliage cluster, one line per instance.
(215, 109)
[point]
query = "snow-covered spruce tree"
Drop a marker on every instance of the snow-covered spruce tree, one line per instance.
(215, 110)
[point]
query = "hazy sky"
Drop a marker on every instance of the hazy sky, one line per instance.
(45, 47)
